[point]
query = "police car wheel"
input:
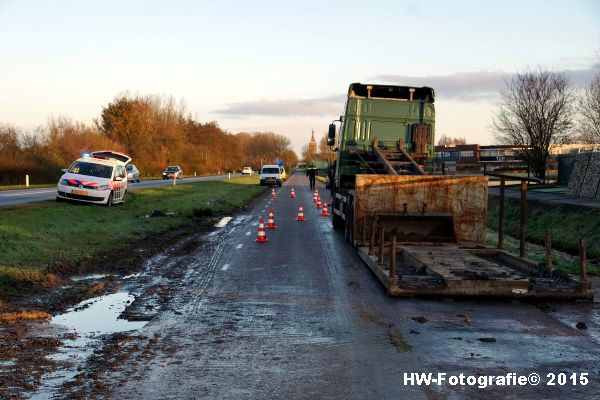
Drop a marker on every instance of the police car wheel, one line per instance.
(110, 202)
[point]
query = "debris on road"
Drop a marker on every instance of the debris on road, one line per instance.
(581, 325)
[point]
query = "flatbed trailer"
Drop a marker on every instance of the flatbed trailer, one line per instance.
(425, 236)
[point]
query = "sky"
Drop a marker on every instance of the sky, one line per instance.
(283, 66)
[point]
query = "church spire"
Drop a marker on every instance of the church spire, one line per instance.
(312, 146)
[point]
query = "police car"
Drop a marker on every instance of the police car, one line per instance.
(99, 177)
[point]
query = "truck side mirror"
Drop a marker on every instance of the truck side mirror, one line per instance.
(331, 133)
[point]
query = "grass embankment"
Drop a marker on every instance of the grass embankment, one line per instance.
(37, 239)
(22, 187)
(566, 223)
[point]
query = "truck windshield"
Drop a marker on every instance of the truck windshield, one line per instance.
(270, 170)
(91, 169)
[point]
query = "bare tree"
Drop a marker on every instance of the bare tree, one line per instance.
(536, 112)
(589, 110)
(448, 140)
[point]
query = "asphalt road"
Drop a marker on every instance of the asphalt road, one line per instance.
(14, 197)
(302, 317)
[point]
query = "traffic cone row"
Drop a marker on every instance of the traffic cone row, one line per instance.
(262, 235)
(272, 193)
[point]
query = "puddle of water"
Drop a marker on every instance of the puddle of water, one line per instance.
(87, 277)
(224, 221)
(99, 315)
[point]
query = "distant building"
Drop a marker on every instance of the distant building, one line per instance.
(312, 145)
(474, 158)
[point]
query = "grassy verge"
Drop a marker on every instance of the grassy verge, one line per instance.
(35, 238)
(566, 223)
(22, 187)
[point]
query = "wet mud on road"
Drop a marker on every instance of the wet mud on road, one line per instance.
(220, 316)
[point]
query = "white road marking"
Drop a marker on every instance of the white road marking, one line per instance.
(225, 267)
(239, 246)
(248, 233)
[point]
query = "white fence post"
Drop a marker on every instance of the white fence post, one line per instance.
(27, 180)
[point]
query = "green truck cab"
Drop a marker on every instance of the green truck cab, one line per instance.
(385, 129)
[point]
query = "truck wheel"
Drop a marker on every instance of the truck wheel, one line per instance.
(337, 221)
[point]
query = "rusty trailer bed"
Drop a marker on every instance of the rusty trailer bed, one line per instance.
(453, 270)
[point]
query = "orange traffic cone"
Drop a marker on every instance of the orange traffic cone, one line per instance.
(319, 203)
(293, 195)
(325, 212)
(315, 196)
(262, 236)
(271, 224)
(272, 193)
(300, 213)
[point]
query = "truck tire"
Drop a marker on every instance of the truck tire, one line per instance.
(337, 222)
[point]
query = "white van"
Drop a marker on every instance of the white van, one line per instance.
(99, 178)
(271, 175)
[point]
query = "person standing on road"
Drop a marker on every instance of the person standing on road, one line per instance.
(311, 172)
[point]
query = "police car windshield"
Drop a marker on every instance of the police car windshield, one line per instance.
(91, 169)
(270, 170)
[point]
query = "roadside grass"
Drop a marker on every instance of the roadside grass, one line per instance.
(35, 238)
(22, 187)
(567, 224)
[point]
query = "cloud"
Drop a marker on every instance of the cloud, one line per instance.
(329, 105)
(463, 86)
(474, 86)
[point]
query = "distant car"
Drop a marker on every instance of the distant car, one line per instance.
(271, 175)
(247, 171)
(100, 177)
(172, 172)
(133, 174)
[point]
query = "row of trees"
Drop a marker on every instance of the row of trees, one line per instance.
(154, 130)
(541, 109)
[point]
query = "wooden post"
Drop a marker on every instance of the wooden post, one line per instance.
(548, 241)
(582, 261)
(522, 223)
(372, 241)
(501, 213)
(381, 248)
(393, 260)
